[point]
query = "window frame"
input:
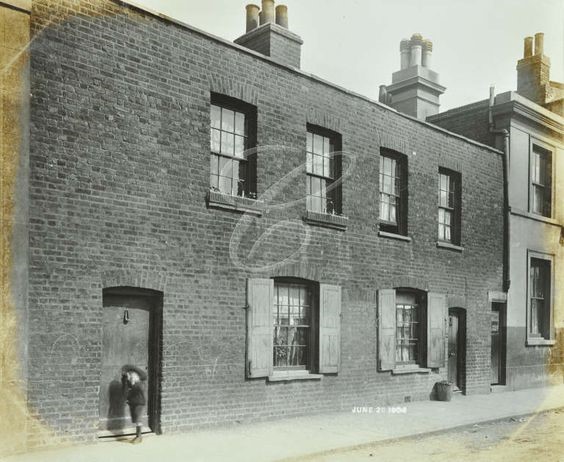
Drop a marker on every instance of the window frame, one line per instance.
(547, 337)
(537, 146)
(400, 226)
(420, 302)
(334, 195)
(313, 334)
(454, 179)
(249, 189)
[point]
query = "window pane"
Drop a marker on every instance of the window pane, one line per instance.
(214, 181)
(393, 217)
(309, 162)
(239, 146)
(225, 167)
(215, 140)
(315, 186)
(441, 231)
(227, 143)
(447, 233)
(326, 167)
(318, 165)
(214, 164)
(215, 116)
(228, 120)
(326, 148)
(225, 185)
(239, 123)
(443, 201)
(309, 142)
(317, 144)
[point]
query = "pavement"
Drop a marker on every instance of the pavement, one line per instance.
(293, 438)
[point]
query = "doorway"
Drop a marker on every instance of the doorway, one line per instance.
(457, 347)
(498, 332)
(131, 336)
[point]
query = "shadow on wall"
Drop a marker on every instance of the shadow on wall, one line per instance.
(116, 409)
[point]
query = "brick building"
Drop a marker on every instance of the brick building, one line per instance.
(263, 242)
(527, 338)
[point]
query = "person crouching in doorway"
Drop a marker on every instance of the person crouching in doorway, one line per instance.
(134, 379)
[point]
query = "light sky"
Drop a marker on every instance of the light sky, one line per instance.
(355, 43)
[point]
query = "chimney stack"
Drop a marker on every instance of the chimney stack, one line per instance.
(267, 33)
(415, 88)
(533, 71)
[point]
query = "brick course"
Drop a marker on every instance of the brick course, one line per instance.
(119, 176)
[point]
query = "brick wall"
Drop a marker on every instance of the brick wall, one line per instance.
(119, 177)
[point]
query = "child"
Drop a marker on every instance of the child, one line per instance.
(133, 380)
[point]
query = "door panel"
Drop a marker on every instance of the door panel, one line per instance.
(453, 349)
(126, 333)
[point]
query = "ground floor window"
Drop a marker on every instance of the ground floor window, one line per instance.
(292, 319)
(540, 296)
(407, 328)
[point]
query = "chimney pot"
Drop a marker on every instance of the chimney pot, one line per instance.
(539, 43)
(528, 51)
(427, 51)
(404, 50)
(282, 16)
(252, 17)
(267, 13)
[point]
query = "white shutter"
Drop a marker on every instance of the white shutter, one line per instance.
(260, 293)
(436, 324)
(329, 328)
(386, 329)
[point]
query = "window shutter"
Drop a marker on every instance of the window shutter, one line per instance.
(329, 328)
(260, 298)
(436, 323)
(386, 329)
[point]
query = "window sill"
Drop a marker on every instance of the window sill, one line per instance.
(219, 200)
(398, 237)
(399, 370)
(327, 220)
(535, 216)
(286, 376)
(539, 341)
(448, 245)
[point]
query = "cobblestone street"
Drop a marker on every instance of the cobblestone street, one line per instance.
(538, 437)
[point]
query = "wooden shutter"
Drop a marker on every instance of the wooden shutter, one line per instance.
(436, 325)
(260, 293)
(386, 329)
(329, 328)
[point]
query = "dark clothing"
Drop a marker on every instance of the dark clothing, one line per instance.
(136, 395)
(136, 412)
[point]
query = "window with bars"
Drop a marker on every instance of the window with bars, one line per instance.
(292, 318)
(449, 206)
(539, 297)
(540, 191)
(407, 328)
(232, 135)
(393, 192)
(323, 167)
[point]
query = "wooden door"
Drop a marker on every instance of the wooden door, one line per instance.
(126, 340)
(498, 344)
(453, 349)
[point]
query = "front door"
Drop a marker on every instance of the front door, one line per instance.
(456, 350)
(498, 343)
(128, 320)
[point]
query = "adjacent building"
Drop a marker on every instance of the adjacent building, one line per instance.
(262, 242)
(527, 348)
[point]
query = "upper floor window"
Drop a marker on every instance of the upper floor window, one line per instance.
(540, 188)
(540, 296)
(393, 193)
(232, 134)
(323, 167)
(449, 206)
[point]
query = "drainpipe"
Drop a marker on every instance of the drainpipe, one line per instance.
(506, 208)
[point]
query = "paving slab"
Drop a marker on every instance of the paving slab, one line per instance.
(295, 437)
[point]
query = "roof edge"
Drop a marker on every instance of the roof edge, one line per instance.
(134, 5)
